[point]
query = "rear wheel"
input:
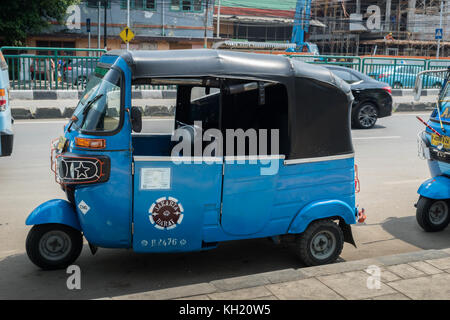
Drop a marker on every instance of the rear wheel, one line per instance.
(320, 243)
(432, 215)
(365, 116)
(53, 246)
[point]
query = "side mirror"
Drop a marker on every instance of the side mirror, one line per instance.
(136, 119)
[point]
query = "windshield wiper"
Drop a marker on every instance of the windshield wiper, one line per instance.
(88, 107)
(90, 103)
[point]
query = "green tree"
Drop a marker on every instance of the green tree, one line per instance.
(19, 18)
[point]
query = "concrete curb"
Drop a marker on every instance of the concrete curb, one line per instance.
(76, 94)
(55, 113)
(259, 285)
(409, 92)
(147, 94)
(165, 111)
(413, 106)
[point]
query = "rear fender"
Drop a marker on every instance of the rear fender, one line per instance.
(321, 210)
(54, 211)
(435, 188)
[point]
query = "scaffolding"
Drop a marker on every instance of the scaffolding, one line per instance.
(398, 27)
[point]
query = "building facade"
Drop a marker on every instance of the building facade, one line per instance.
(157, 24)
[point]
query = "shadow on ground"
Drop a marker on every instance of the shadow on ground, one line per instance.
(376, 126)
(407, 229)
(113, 272)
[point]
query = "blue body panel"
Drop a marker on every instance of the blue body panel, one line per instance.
(285, 195)
(108, 221)
(436, 188)
(254, 205)
(54, 211)
(196, 187)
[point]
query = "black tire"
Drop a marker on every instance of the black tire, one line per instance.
(39, 241)
(311, 238)
(432, 215)
(365, 116)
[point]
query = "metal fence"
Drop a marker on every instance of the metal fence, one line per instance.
(344, 61)
(397, 72)
(32, 68)
(50, 68)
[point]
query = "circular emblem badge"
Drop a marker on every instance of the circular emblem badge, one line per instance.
(166, 213)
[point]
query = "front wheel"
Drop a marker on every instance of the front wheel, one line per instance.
(365, 116)
(53, 246)
(320, 243)
(432, 215)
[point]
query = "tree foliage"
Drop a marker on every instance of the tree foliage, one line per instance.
(19, 18)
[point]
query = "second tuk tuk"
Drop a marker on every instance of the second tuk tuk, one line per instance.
(264, 152)
(433, 212)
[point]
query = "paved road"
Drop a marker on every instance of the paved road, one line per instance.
(389, 170)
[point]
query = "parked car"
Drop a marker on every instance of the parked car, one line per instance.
(373, 98)
(405, 77)
(77, 72)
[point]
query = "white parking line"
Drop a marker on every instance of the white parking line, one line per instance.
(373, 138)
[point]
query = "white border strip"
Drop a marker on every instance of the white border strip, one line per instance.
(319, 159)
(255, 157)
(177, 159)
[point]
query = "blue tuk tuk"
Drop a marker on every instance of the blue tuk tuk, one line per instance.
(130, 189)
(6, 133)
(432, 212)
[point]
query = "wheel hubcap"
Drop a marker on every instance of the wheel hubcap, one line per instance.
(438, 212)
(323, 245)
(55, 245)
(368, 116)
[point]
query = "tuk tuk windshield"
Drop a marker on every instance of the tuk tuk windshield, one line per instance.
(99, 108)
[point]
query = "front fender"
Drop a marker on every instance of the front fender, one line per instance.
(320, 210)
(54, 211)
(435, 188)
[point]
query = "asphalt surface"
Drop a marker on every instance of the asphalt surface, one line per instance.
(389, 170)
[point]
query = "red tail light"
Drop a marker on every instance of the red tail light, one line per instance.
(2, 98)
(388, 89)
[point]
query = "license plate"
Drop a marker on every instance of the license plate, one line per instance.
(444, 140)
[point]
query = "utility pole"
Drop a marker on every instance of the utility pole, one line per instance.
(105, 3)
(218, 21)
(128, 21)
(440, 27)
(205, 45)
(98, 25)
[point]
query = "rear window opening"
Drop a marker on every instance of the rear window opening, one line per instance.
(255, 108)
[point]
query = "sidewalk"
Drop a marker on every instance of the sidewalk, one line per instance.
(418, 275)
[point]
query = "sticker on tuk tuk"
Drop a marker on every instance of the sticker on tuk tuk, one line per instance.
(155, 178)
(166, 213)
(84, 208)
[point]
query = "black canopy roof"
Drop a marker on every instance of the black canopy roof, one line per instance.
(319, 102)
(201, 62)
